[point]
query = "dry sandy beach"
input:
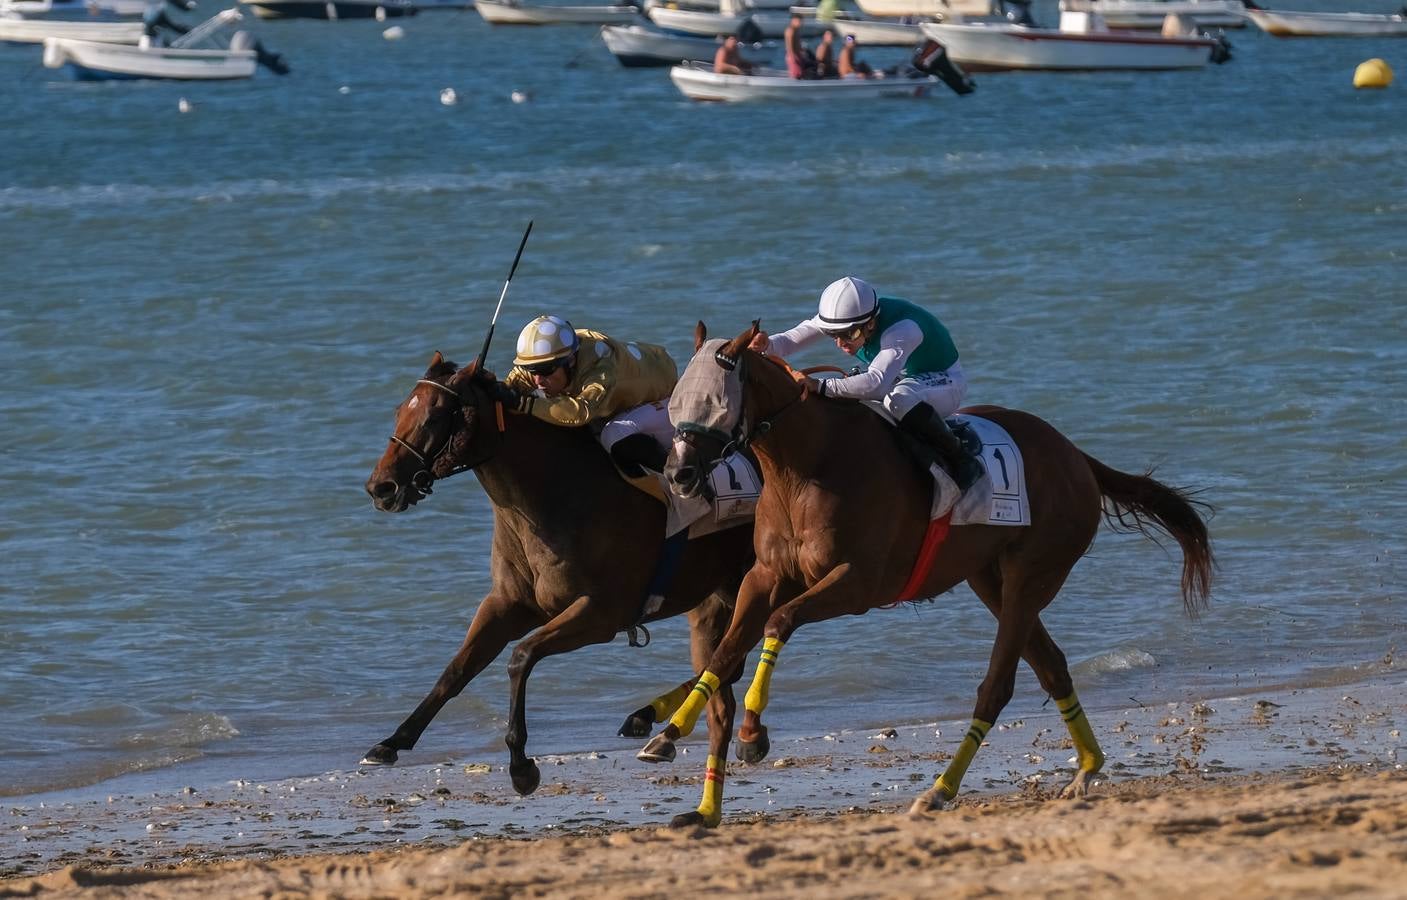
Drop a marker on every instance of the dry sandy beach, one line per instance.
(1273, 794)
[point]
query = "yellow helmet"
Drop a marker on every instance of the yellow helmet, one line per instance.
(544, 339)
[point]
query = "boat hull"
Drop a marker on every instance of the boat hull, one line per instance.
(34, 31)
(331, 10)
(933, 9)
(496, 13)
(90, 61)
(702, 83)
(1150, 14)
(1297, 24)
(869, 33)
(998, 48)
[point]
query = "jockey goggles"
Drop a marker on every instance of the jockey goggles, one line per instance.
(544, 369)
(852, 333)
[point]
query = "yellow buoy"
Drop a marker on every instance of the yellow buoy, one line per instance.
(1375, 73)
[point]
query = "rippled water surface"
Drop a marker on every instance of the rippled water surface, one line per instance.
(207, 319)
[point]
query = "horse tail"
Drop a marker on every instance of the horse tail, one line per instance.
(1133, 502)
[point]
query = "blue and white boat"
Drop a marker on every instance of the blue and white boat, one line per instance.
(200, 54)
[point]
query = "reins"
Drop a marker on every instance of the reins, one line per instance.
(424, 479)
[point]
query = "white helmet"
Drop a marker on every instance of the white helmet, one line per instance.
(545, 338)
(847, 303)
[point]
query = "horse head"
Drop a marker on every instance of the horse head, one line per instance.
(706, 410)
(440, 430)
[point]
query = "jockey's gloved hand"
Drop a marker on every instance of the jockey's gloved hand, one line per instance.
(511, 399)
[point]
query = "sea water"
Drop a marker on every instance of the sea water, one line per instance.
(206, 320)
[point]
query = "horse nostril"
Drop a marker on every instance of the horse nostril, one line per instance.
(381, 489)
(684, 475)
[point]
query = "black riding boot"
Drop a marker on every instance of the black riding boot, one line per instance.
(926, 425)
(635, 453)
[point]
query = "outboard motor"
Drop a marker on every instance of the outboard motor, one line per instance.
(1221, 53)
(749, 32)
(932, 59)
(1021, 15)
(155, 20)
(274, 62)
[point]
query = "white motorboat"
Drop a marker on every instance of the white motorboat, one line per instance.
(1150, 14)
(1079, 45)
(506, 12)
(698, 81)
(877, 33)
(944, 10)
(707, 23)
(90, 10)
(1282, 23)
(638, 46)
(331, 10)
(34, 31)
(196, 55)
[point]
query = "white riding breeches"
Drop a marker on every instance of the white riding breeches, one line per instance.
(647, 418)
(944, 391)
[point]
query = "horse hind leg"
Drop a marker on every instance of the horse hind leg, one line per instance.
(1017, 610)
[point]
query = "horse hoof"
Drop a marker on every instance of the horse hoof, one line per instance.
(639, 723)
(693, 819)
(526, 777)
(380, 755)
(660, 749)
(754, 751)
(929, 801)
(1078, 787)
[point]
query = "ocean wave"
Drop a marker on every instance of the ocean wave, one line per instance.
(1123, 660)
(569, 177)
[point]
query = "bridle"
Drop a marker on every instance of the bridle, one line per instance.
(742, 436)
(423, 479)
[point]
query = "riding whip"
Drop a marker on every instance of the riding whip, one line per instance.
(483, 354)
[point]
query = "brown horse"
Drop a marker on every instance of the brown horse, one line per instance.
(843, 513)
(574, 546)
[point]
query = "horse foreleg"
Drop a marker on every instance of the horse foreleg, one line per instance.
(817, 602)
(749, 615)
(495, 624)
(708, 622)
(576, 626)
(640, 722)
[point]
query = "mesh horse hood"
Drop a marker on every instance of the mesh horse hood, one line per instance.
(707, 397)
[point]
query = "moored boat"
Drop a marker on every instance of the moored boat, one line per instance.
(1150, 14)
(878, 33)
(506, 12)
(34, 31)
(200, 54)
(1283, 23)
(637, 46)
(331, 10)
(698, 81)
(1079, 45)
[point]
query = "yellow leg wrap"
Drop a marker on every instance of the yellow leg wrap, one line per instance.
(1086, 747)
(711, 806)
(687, 716)
(665, 704)
(951, 779)
(756, 699)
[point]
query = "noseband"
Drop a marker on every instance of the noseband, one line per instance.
(423, 479)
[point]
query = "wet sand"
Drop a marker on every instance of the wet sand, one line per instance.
(1272, 794)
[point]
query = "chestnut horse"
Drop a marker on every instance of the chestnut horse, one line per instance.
(843, 513)
(574, 547)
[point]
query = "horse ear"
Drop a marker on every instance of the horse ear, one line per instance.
(435, 362)
(700, 335)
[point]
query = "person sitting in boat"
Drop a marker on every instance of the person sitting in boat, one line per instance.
(825, 56)
(729, 60)
(801, 62)
(913, 364)
(848, 65)
(578, 377)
